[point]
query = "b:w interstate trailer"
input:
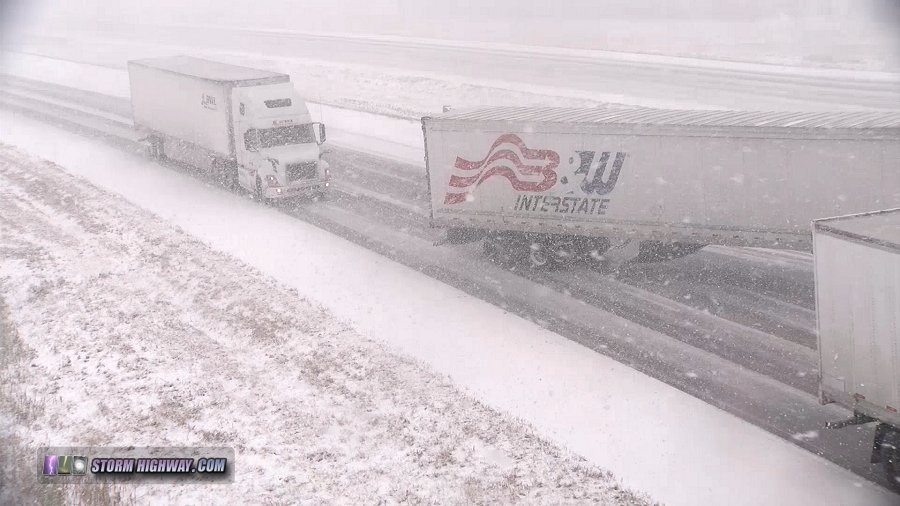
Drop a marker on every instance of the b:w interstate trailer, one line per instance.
(549, 184)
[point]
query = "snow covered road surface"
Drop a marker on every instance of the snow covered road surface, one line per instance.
(598, 407)
(700, 306)
(136, 334)
(588, 75)
(382, 135)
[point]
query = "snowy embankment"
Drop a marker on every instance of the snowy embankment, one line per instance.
(654, 438)
(130, 332)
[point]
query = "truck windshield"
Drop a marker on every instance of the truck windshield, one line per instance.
(284, 135)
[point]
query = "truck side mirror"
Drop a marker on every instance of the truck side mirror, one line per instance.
(320, 133)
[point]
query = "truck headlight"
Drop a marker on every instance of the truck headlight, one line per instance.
(272, 180)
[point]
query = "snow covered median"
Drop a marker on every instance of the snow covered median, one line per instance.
(119, 329)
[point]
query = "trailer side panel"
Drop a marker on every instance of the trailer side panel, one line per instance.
(182, 106)
(858, 314)
(709, 183)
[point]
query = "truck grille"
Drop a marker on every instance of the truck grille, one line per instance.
(305, 170)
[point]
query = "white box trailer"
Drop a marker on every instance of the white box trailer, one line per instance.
(857, 270)
(658, 176)
(245, 126)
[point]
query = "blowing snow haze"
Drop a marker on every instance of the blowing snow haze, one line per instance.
(468, 252)
(833, 33)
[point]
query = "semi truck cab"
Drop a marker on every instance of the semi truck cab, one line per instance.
(242, 126)
(277, 144)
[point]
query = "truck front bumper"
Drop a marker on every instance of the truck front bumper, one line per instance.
(298, 189)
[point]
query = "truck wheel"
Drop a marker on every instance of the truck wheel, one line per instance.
(564, 251)
(153, 147)
(159, 149)
(490, 247)
(232, 175)
(216, 172)
(260, 196)
(538, 256)
(224, 173)
(591, 249)
(504, 250)
(890, 457)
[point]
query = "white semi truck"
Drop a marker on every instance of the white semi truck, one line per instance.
(243, 126)
(547, 184)
(857, 269)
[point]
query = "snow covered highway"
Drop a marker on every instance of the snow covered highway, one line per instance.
(715, 83)
(608, 412)
(446, 67)
(715, 325)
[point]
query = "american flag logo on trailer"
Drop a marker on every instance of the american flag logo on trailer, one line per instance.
(529, 170)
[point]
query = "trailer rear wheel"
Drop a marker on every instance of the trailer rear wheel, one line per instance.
(538, 256)
(507, 250)
(489, 247)
(890, 457)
